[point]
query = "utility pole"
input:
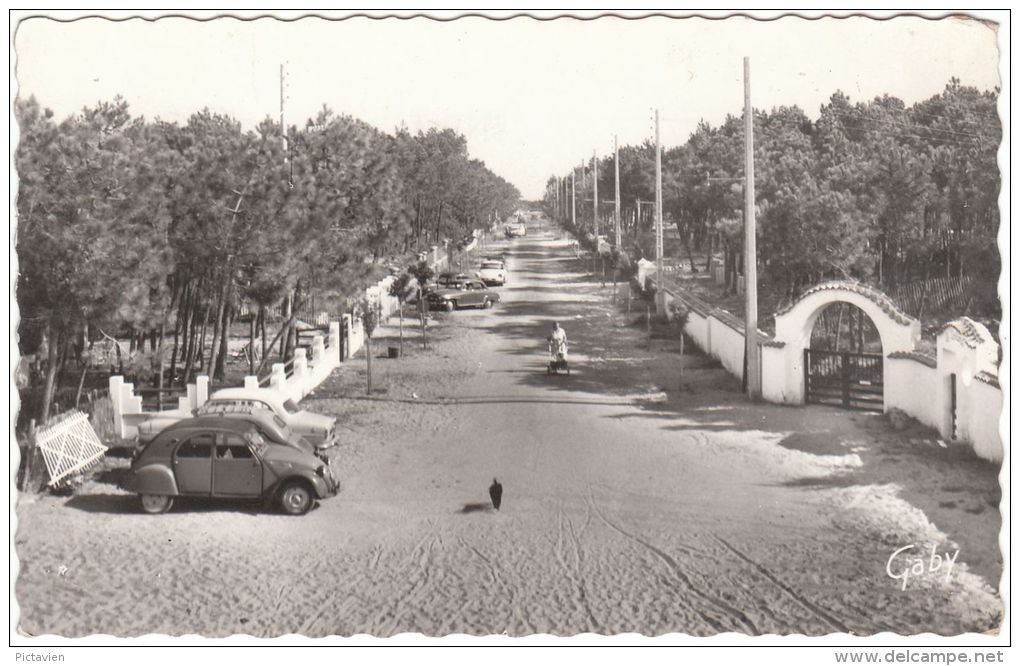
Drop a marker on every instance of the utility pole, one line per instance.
(556, 201)
(750, 251)
(595, 193)
(659, 271)
(573, 199)
(616, 167)
(283, 125)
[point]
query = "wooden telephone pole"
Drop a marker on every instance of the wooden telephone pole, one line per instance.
(659, 271)
(595, 193)
(750, 251)
(573, 198)
(616, 168)
(283, 124)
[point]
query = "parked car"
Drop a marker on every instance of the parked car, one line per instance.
(318, 429)
(223, 457)
(443, 280)
(492, 273)
(516, 229)
(270, 425)
(463, 293)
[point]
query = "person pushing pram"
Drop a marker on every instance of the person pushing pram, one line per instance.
(558, 350)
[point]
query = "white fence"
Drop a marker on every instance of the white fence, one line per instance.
(956, 392)
(306, 374)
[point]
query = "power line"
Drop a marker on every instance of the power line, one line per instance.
(910, 126)
(963, 143)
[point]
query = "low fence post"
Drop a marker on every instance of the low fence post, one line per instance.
(278, 378)
(201, 389)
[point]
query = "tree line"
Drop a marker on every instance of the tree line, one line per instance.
(156, 232)
(877, 191)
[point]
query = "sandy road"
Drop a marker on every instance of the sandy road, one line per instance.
(631, 504)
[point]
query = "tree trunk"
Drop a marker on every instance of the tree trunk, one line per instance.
(200, 348)
(53, 355)
(687, 246)
(279, 334)
(221, 358)
(439, 223)
(221, 321)
(262, 323)
(159, 357)
(252, 321)
(400, 311)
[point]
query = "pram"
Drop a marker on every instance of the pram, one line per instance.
(558, 358)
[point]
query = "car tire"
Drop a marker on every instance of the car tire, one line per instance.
(156, 504)
(296, 498)
(451, 306)
(487, 304)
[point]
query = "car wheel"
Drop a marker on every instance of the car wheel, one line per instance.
(488, 304)
(295, 498)
(451, 306)
(156, 503)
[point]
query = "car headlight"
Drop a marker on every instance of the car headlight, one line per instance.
(321, 471)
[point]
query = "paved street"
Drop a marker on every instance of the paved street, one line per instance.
(634, 500)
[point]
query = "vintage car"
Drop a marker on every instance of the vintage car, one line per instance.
(463, 294)
(318, 429)
(223, 457)
(492, 273)
(269, 424)
(516, 229)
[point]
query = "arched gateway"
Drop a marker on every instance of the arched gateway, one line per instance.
(846, 378)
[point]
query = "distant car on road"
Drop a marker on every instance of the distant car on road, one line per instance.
(223, 457)
(463, 293)
(492, 273)
(516, 229)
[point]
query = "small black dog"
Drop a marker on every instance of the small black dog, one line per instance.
(496, 494)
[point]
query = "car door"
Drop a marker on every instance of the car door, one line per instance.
(193, 464)
(237, 472)
(477, 291)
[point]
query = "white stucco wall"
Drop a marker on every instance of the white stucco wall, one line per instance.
(697, 329)
(910, 387)
(727, 346)
(979, 420)
(773, 375)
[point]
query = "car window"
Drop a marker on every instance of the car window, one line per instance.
(258, 443)
(291, 407)
(197, 446)
(232, 447)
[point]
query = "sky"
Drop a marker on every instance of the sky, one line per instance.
(532, 97)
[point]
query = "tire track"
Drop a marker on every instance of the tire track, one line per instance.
(725, 608)
(821, 613)
(593, 623)
(499, 580)
(573, 573)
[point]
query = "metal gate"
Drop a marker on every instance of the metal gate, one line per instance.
(843, 379)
